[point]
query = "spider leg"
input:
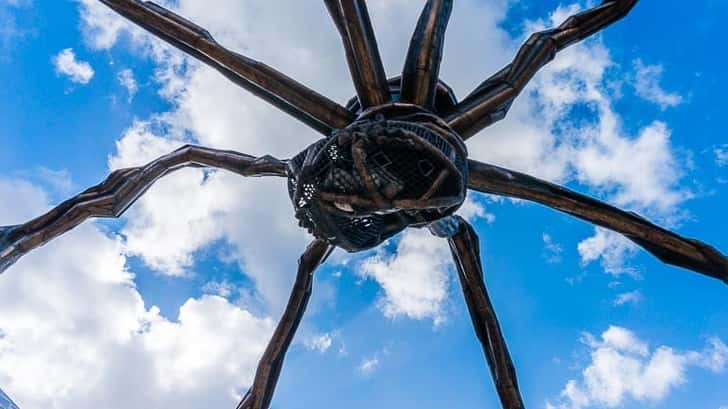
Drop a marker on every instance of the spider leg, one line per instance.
(664, 244)
(115, 194)
(306, 105)
(260, 394)
(465, 249)
(362, 53)
(422, 67)
(492, 99)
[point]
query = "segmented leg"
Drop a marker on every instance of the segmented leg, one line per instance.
(492, 99)
(352, 20)
(465, 249)
(664, 244)
(113, 196)
(306, 105)
(260, 394)
(422, 67)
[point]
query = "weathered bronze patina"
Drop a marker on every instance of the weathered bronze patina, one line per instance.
(394, 157)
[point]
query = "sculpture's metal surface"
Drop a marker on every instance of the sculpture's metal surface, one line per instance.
(114, 195)
(393, 158)
(269, 368)
(465, 250)
(665, 245)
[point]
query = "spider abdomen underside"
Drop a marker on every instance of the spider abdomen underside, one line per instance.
(396, 166)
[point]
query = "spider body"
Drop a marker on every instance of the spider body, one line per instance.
(396, 166)
(393, 157)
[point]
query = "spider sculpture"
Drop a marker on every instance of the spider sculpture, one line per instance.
(393, 158)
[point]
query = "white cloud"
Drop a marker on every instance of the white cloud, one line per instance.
(77, 71)
(127, 80)
(647, 85)
(715, 356)
(473, 209)
(608, 162)
(320, 343)
(102, 26)
(633, 297)
(623, 367)
(75, 299)
(415, 278)
(611, 248)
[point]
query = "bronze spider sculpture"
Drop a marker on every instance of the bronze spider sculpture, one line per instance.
(393, 158)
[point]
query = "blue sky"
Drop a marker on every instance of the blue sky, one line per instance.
(174, 303)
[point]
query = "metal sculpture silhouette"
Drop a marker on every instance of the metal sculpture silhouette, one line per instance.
(393, 158)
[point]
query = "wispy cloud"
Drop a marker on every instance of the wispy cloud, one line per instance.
(369, 365)
(647, 86)
(320, 343)
(77, 71)
(721, 155)
(128, 81)
(10, 31)
(220, 288)
(632, 297)
(552, 250)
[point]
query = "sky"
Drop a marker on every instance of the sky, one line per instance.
(173, 304)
